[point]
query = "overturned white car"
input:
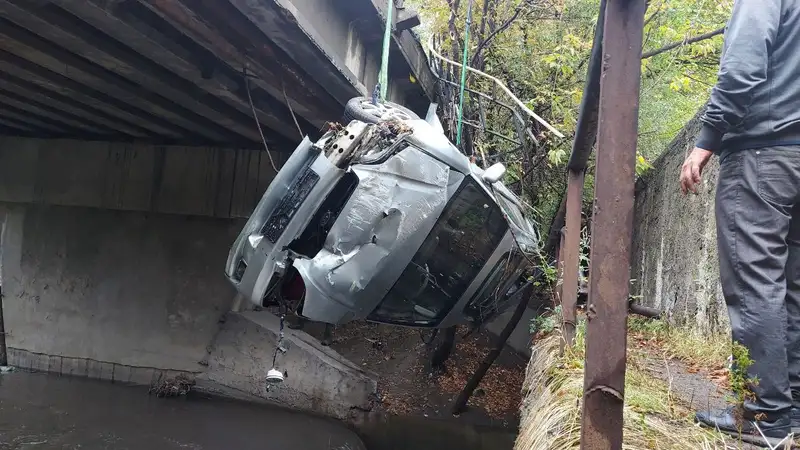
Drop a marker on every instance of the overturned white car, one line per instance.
(384, 220)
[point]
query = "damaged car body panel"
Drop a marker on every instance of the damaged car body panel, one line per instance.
(391, 210)
(387, 222)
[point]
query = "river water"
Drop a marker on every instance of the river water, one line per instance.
(44, 412)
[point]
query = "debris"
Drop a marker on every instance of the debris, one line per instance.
(332, 126)
(405, 388)
(173, 386)
(7, 369)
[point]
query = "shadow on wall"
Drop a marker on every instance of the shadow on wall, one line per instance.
(674, 265)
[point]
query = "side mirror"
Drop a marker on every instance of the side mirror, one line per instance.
(493, 174)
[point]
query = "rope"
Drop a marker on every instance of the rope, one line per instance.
(463, 75)
(255, 116)
(383, 78)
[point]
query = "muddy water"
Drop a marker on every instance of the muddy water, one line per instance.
(43, 412)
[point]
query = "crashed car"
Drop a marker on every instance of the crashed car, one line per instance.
(384, 220)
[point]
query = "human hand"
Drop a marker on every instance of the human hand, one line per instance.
(692, 170)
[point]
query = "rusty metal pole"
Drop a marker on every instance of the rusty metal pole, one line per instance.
(570, 254)
(560, 268)
(612, 225)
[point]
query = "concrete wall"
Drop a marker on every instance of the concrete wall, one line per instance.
(674, 259)
(318, 379)
(142, 290)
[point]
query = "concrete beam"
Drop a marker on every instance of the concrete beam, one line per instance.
(195, 181)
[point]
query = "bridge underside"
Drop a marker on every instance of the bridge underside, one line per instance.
(180, 71)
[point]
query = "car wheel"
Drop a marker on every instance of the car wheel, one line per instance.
(361, 108)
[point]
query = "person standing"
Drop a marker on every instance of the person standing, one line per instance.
(752, 122)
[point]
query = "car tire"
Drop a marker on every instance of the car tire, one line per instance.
(362, 109)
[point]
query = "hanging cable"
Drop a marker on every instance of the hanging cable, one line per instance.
(278, 344)
(255, 117)
(463, 75)
(296, 123)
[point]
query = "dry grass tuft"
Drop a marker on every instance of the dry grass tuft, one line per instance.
(551, 406)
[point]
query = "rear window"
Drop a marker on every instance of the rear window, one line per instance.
(462, 240)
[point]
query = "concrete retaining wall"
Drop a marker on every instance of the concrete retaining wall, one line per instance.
(674, 261)
(143, 290)
(318, 378)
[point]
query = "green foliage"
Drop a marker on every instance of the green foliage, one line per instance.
(740, 381)
(548, 322)
(543, 57)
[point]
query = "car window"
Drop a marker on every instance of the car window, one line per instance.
(514, 213)
(492, 293)
(457, 248)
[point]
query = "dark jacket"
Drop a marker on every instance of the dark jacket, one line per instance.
(756, 102)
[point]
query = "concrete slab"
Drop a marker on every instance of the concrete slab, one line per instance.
(319, 379)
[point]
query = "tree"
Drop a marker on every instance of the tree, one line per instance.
(540, 48)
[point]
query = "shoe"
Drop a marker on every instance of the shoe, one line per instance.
(796, 421)
(729, 421)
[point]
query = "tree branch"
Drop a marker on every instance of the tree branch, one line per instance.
(502, 28)
(674, 45)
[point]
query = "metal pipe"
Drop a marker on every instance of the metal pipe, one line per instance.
(645, 311)
(525, 293)
(586, 131)
(571, 257)
(383, 78)
(612, 226)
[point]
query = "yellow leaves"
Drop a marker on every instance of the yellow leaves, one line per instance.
(681, 84)
(642, 164)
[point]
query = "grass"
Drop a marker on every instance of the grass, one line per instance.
(653, 418)
(709, 351)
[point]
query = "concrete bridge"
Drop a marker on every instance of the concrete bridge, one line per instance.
(129, 156)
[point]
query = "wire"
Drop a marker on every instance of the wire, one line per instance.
(296, 123)
(255, 117)
(463, 76)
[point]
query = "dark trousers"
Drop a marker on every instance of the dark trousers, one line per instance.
(758, 233)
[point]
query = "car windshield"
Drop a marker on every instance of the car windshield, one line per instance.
(457, 248)
(514, 214)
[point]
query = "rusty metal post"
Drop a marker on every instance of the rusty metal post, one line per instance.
(570, 254)
(612, 225)
(560, 268)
